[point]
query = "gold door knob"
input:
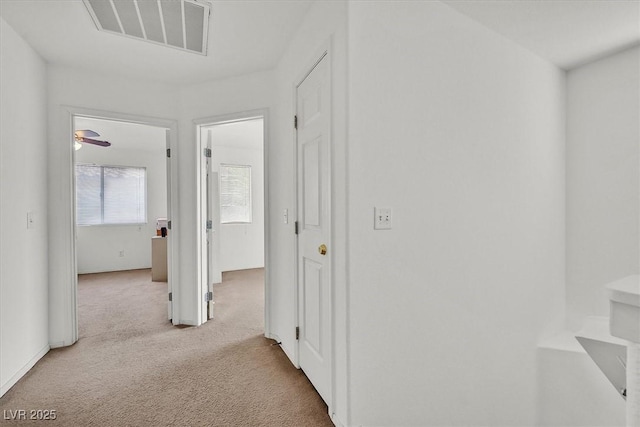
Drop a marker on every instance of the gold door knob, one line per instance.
(322, 249)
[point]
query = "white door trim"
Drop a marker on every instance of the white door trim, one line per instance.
(70, 258)
(230, 118)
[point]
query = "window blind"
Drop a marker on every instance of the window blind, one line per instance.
(110, 195)
(235, 194)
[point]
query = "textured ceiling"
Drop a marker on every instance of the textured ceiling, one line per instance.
(244, 37)
(566, 32)
(250, 36)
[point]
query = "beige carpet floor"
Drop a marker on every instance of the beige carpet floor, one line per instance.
(131, 367)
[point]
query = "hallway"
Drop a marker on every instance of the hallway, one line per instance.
(132, 367)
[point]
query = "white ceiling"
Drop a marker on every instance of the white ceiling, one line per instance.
(251, 35)
(244, 37)
(566, 32)
(122, 135)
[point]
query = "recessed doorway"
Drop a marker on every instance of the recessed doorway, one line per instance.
(122, 205)
(232, 203)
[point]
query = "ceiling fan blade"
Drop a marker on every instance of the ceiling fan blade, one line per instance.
(95, 142)
(86, 133)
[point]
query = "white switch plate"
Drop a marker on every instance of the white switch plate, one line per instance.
(382, 218)
(285, 216)
(30, 220)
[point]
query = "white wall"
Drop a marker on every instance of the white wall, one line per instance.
(216, 98)
(23, 188)
(70, 87)
(99, 246)
(242, 245)
(325, 25)
(603, 212)
(461, 132)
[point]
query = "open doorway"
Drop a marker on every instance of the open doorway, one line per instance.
(122, 205)
(232, 203)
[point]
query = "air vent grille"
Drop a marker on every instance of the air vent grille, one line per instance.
(181, 24)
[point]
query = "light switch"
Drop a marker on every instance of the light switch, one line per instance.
(285, 216)
(30, 220)
(382, 218)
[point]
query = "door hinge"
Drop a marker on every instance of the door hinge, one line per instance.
(295, 122)
(208, 296)
(297, 332)
(207, 152)
(209, 224)
(170, 296)
(169, 225)
(296, 227)
(168, 152)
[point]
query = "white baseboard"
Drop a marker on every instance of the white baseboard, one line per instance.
(59, 344)
(272, 336)
(334, 419)
(30, 364)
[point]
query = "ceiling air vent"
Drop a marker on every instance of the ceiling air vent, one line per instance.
(181, 24)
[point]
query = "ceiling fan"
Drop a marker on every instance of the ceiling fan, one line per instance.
(85, 136)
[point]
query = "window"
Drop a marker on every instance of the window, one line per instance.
(110, 195)
(235, 194)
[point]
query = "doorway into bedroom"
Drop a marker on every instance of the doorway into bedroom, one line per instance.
(232, 211)
(121, 202)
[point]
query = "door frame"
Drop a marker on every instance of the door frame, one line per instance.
(240, 116)
(323, 53)
(172, 190)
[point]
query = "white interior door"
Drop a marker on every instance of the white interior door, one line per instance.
(169, 236)
(314, 226)
(213, 238)
(213, 271)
